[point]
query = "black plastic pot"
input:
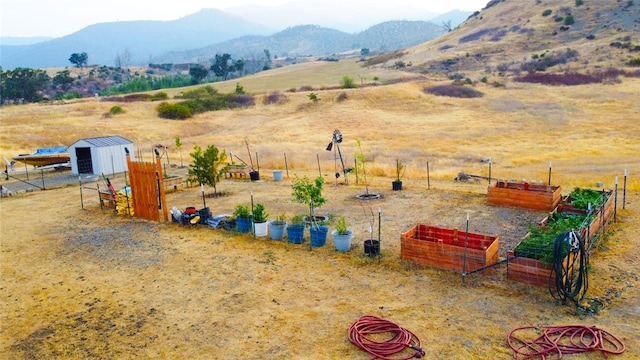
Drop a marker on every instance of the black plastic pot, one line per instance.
(254, 175)
(371, 247)
(396, 185)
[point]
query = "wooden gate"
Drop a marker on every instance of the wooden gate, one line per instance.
(147, 193)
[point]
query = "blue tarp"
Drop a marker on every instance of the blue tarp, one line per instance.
(51, 150)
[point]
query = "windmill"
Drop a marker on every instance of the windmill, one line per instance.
(337, 153)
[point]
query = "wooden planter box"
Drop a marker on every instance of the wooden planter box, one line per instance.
(524, 195)
(172, 183)
(529, 271)
(536, 273)
(445, 248)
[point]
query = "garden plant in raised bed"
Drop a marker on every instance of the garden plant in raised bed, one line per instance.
(539, 244)
(581, 198)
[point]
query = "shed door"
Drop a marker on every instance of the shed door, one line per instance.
(83, 156)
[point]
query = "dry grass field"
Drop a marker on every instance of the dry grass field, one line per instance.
(85, 283)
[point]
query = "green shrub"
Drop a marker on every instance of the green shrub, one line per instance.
(199, 92)
(547, 12)
(569, 20)
(591, 37)
(174, 111)
(159, 96)
(115, 110)
(579, 2)
(634, 62)
(347, 82)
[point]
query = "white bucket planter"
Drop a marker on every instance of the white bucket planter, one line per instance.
(261, 228)
(342, 242)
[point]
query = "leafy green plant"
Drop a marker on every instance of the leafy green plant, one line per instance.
(208, 166)
(539, 244)
(174, 111)
(309, 192)
(341, 226)
(242, 212)
(400, 167)
(547, 12)
(161, 95)
(260, 213)
(347, 82)
(314, 97)
(281, 219)
(581, 198)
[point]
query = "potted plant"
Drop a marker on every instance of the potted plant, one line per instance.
(277, 227)
(295, 230)
(260, 216)
(397, 183)
(242, 214)
(310, 193)
(342, 235)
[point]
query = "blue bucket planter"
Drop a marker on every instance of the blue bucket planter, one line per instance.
(295, 233)
(319, 235)
(244, 225)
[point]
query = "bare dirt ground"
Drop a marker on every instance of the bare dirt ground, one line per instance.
(86, 283)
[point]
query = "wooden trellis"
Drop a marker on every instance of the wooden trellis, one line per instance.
(146, 190)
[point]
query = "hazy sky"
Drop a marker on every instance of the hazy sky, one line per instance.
(55, 18)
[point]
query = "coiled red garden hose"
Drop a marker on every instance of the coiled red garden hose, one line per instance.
(400, 338)
(560, 340)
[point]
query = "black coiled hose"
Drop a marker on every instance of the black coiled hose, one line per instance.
(570, 260)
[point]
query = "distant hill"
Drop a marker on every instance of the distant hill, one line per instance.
(314, 40)
(12, 40)
(506, 38)
(143, 39)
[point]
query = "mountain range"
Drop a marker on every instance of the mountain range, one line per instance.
(200, 36)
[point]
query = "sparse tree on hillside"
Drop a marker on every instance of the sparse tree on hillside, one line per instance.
(198, 73)
(447, 25)
(221, 66)
(123, 60)
(79, 59)
(23, 84)
(64, 80)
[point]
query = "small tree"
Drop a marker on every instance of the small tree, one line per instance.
(198, 73)
(179, 147)
(209, 166)
(361, 160)
(309, 192)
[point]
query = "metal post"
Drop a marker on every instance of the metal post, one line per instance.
(624, 189)
(252, 223)
(42, 176)
(286, 165)
(204, 203)
(464, 259)
(379, 237)
(549, 173)
(81, 201)
(318, 159)
(428, 178)
(615, 202)
(490, 161)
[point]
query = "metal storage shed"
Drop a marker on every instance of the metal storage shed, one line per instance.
(100, 155)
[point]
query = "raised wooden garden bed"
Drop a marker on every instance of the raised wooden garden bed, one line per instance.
(524, 195)
(445, 248)
(535, 272)
(172, 183)
(529, 271)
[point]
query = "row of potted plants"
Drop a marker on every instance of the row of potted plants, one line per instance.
(305, 191)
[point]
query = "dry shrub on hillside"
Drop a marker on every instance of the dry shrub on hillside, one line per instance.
(457, 91)
(275, 97)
